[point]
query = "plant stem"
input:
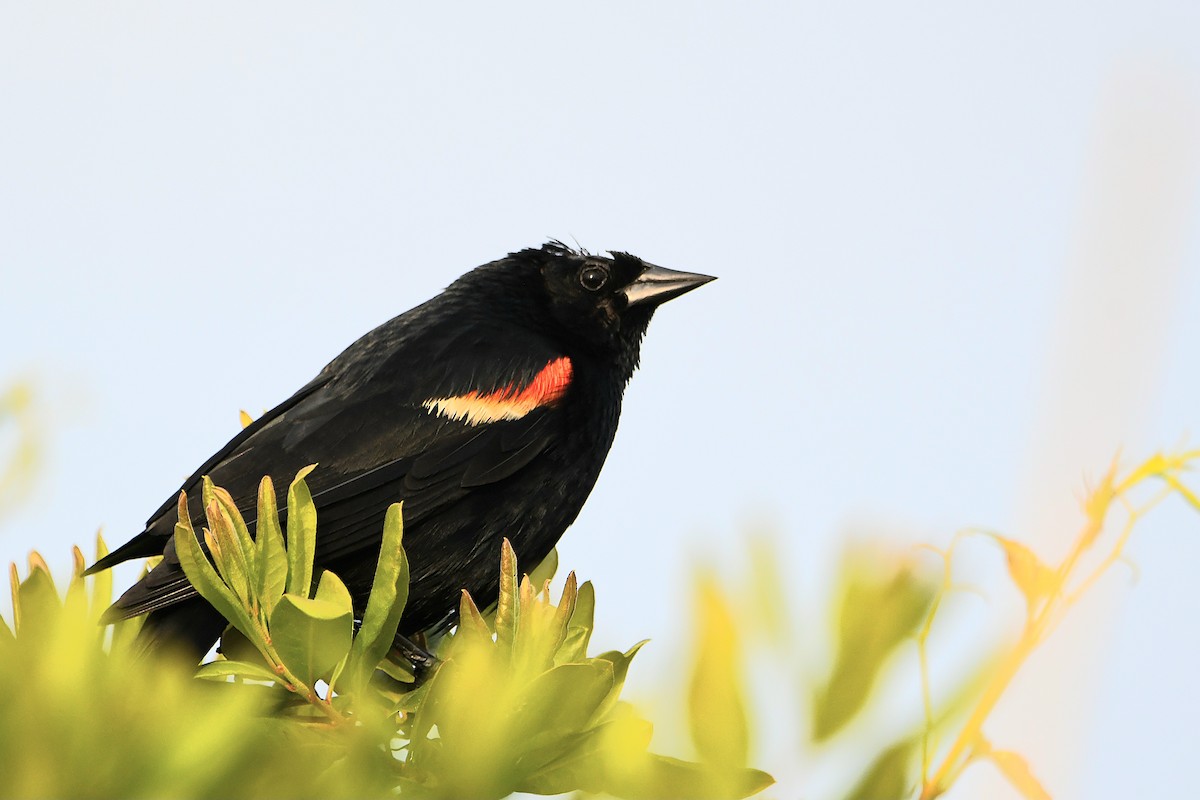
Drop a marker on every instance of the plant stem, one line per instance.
(1055, 603)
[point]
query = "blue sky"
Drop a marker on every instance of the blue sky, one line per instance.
(957, 246)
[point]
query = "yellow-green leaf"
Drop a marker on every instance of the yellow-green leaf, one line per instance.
(1035, 580)
(620, 662)
(203, 576)
(397, 667)
(271, 556)
(38, 600)
(332, 590)
(654, 777)
(1016, 769)
(579, 629)
(311, 636)
(222, 670)
(508, 606)
(227, 555)
(565, 609)
(889, 775)
(385, 605)
(884, 597)
(471, 625)
(563, 700)
(76, 600)
(716, 710)
(238, 526)
(14, 584)
(301, 535)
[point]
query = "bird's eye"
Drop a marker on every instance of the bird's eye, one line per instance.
(593, 278)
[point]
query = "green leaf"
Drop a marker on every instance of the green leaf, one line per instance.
(620, 662)
(227, 555)
(564, 610)
(716, 711)
(889, 775)
(471, 625)
(659, 776)
(542, 628)
(204, 577)
(1032, 576)
(397, 668)
(36, 602)
(75, 604)
(437, 702)
(14, 586)
(206, 491)
(583, 767)
(311, 636)
(332, 590)
(579, 629)
(411, 701)
(508, 604)
(884, 598)
(241, 534)
(563, 700)
(301, 535)
(271, 557)
(385, 606)
(1017, 770)
(221, 670)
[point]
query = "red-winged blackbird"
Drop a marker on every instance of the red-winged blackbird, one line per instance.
(489, 410)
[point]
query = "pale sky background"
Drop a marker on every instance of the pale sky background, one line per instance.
(917, 211)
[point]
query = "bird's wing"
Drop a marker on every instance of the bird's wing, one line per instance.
(427, 482)
(480, 419)
(349, 521)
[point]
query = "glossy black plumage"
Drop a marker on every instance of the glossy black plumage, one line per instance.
(370, 421)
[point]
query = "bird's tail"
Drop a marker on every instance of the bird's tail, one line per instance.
(140, 546)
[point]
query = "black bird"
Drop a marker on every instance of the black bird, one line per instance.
(489, 410)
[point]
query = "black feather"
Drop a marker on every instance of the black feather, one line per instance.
(371, 423)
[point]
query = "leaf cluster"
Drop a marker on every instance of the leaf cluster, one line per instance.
(85, 716)
(520, 699)
(309, 697)
(282, 630)
(881, 599)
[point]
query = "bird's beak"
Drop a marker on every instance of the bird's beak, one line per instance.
(657, 285)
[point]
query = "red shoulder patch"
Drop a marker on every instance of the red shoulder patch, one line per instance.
(509, 402)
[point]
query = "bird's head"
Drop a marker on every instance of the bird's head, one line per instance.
(585, 304)
(603, 303)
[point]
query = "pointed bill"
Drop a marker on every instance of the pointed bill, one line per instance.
(657, 285)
